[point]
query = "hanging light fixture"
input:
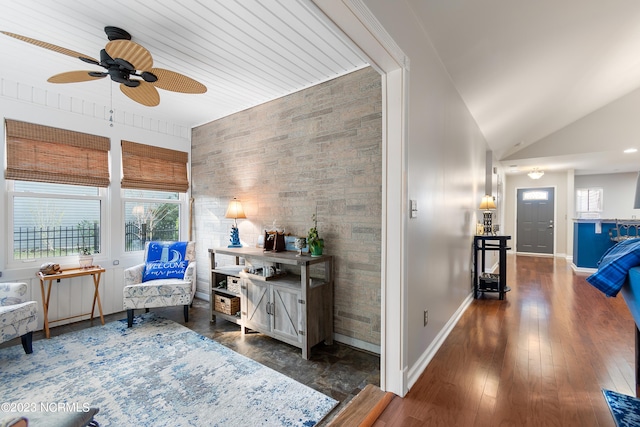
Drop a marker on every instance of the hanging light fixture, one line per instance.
(535, 173)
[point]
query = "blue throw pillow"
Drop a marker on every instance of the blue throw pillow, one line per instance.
(166, 251)
(165, 260)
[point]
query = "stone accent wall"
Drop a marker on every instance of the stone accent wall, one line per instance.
(317, 149)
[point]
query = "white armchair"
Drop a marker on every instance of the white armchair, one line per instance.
(18, 317)
(148, 287)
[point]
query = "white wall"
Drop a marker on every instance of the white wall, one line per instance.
(619, 191)
(73, 296)
(446, 175)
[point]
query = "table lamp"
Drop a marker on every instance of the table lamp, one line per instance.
(487, 205)
(235, 211)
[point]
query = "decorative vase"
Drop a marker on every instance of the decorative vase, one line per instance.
(300, 243)
(85, 261)
(316, 248)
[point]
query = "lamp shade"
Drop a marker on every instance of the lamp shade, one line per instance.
(487, 203)
(235, 210)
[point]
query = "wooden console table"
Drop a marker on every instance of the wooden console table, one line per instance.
(293, 306)
(96, 272)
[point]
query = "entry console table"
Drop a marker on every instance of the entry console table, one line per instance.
(490, 282)
(95, 272)
(293, 303)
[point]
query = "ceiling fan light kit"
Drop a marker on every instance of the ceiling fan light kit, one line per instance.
(125, 62)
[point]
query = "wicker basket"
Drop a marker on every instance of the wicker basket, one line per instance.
(233, 285)
(227, 305)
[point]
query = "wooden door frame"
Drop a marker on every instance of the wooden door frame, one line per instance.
(555, 219)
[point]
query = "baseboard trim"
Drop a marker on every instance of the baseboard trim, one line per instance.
(583, 269)
(354, 342)
(430, 352)
(535, 254)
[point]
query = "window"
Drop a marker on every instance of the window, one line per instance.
(154, 183)
(54, 220)
(535, 195)
(589, 202)
(57, 182)
(150, 215)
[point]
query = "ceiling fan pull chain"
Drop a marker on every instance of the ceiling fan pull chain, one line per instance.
(111, 106)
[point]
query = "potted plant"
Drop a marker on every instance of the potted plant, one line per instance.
(85, 257)
(316, 244)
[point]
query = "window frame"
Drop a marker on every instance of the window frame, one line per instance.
(180, 201)
(69, 260)
(590, 213)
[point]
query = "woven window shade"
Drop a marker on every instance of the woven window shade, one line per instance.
(45, 154)
(145, 167)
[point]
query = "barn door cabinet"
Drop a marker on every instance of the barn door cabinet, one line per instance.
(275, 309)
(295, 306)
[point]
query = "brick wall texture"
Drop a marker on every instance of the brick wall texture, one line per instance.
(319, 149)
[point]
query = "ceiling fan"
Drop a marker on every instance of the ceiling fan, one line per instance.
(127, 63)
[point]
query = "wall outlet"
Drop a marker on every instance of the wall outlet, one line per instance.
(426, 317)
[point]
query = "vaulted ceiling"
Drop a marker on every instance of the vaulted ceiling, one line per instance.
(551, 84)
(545, 80)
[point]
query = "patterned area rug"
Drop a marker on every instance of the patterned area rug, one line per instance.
(157, 373)
(625, 409)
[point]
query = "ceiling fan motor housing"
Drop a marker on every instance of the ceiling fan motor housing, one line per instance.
(115, 33)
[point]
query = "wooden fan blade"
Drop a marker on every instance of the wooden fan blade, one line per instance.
(72, 77)
(176, 82)
(130, 51)
(144, 94)
(49, 46)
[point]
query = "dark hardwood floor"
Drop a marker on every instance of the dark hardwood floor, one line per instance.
(539, 358)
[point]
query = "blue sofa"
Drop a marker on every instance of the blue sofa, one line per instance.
(631, 293)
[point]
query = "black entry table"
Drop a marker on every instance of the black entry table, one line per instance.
(490, 282)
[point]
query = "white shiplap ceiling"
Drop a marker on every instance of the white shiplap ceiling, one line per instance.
(245, 52)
